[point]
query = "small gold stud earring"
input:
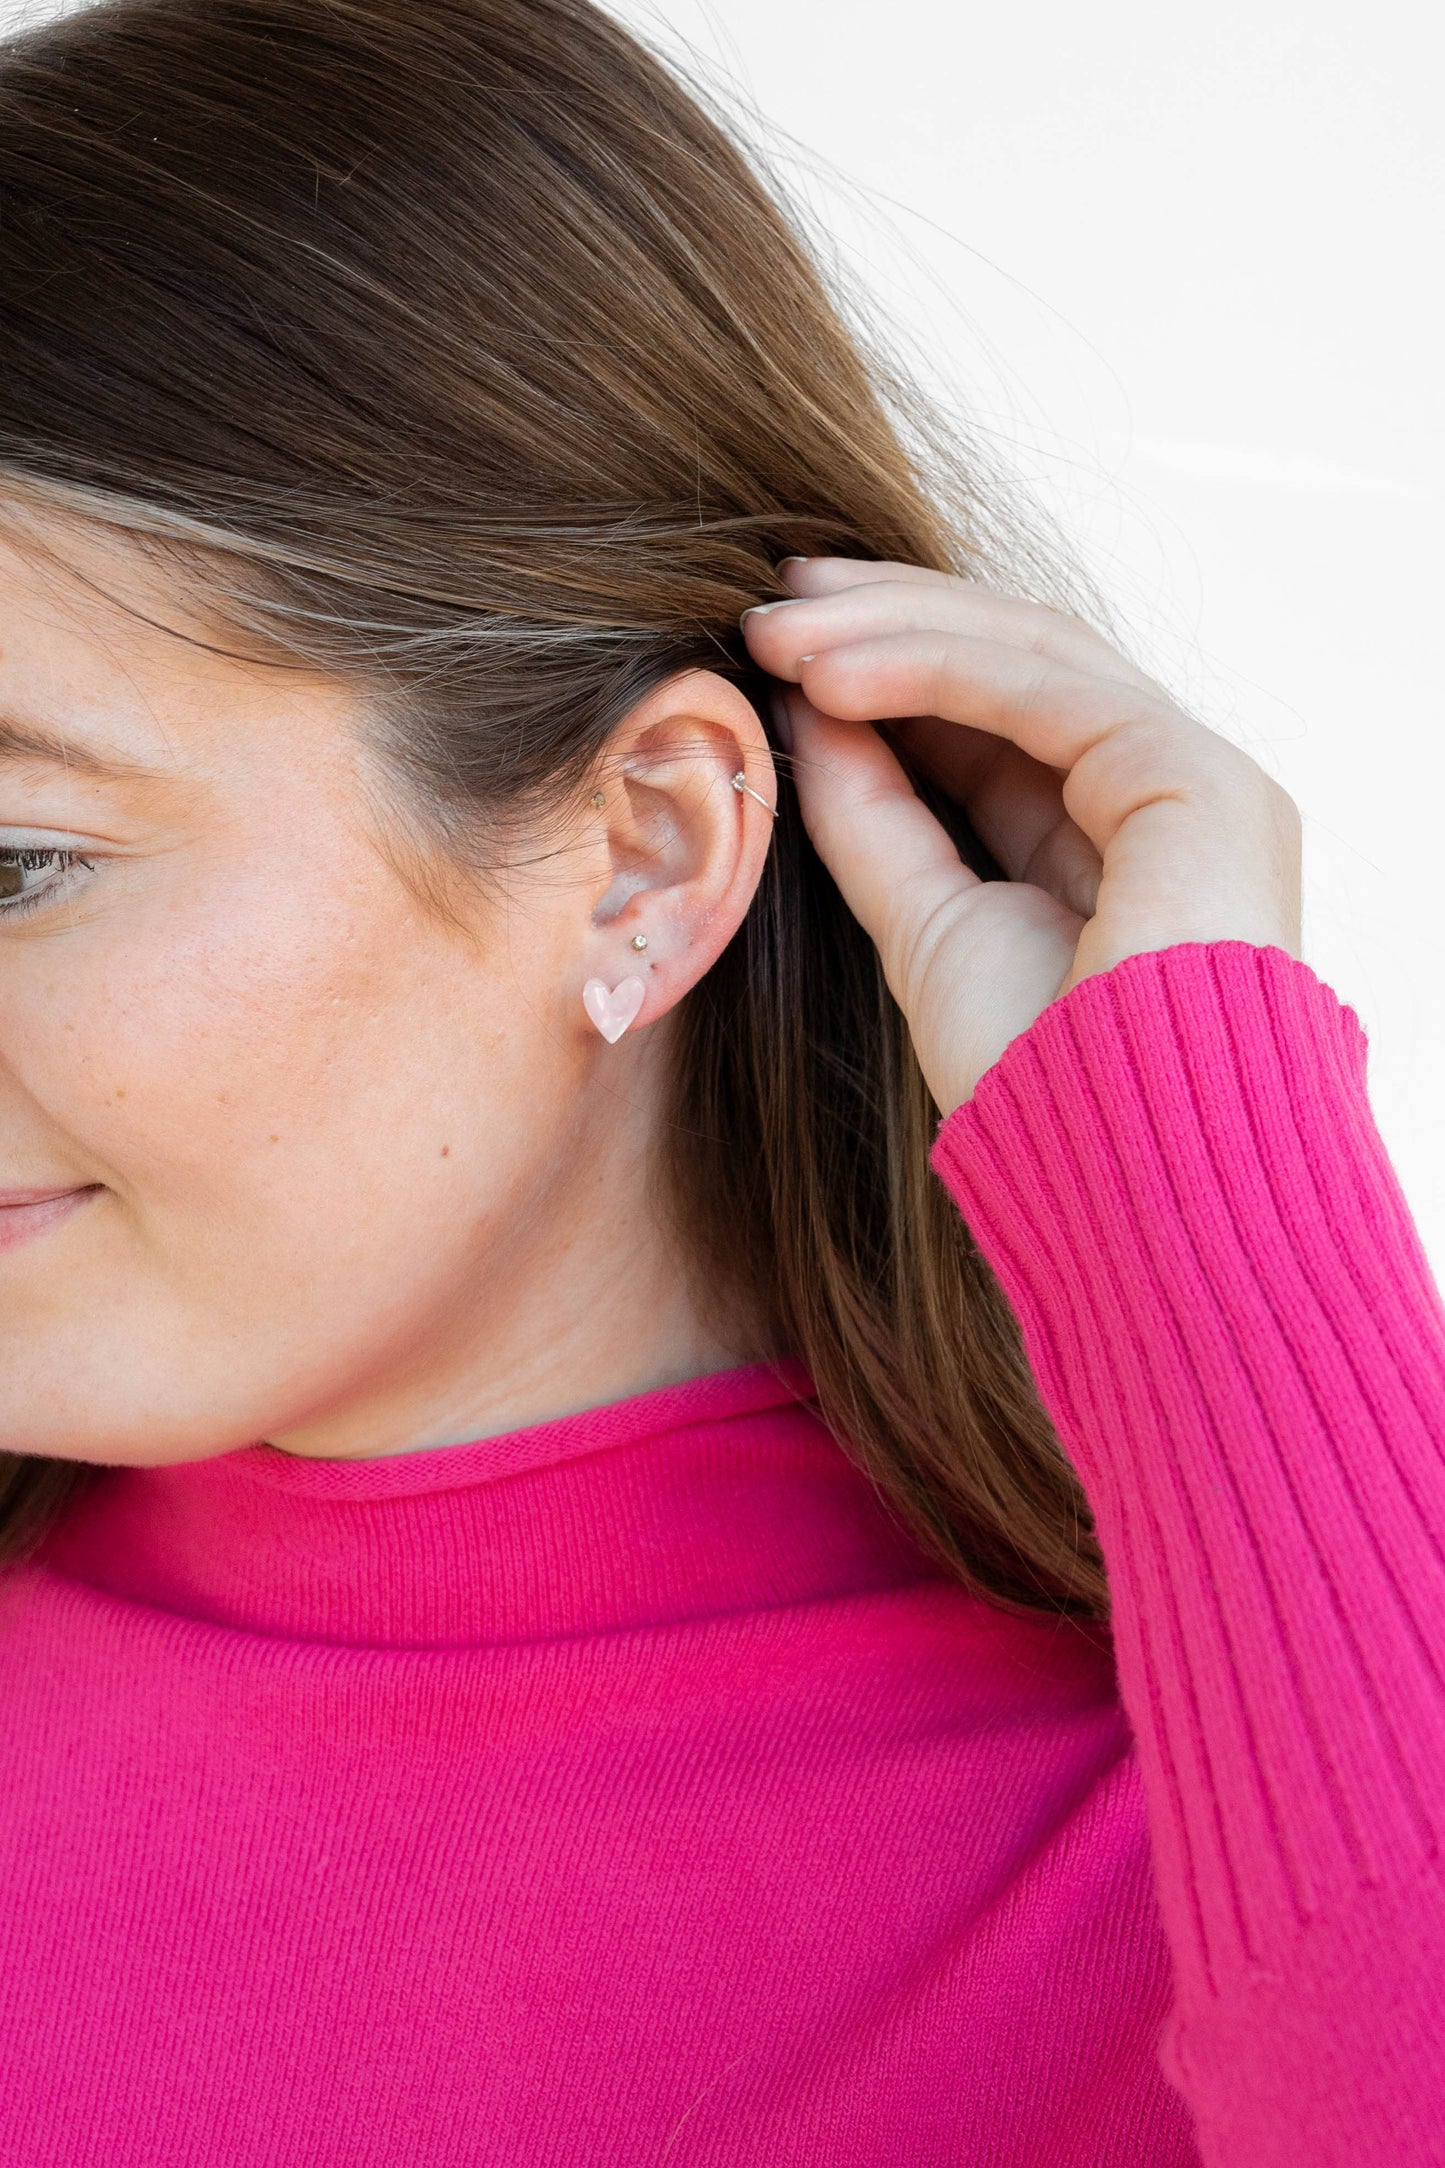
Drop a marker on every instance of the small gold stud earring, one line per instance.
(639, 940)
(599, 797)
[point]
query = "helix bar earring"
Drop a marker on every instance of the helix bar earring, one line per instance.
(740, 782)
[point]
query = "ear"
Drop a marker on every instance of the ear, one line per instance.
(680, 849)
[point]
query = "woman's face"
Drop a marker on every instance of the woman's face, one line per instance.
(334, 1162)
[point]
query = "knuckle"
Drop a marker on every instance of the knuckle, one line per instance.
(1286, 811)
(923, 916)
(1080, 626)
(1147, 738)
(1265, 788)
(1034, 693)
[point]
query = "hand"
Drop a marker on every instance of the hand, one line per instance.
(1122, 823)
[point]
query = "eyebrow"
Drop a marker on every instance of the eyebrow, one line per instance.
(22, 741)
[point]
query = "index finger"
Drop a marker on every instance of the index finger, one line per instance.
(1054, 713)
(840, 599)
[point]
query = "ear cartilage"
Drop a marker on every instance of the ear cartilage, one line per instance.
(613, 1011)
(740, 782)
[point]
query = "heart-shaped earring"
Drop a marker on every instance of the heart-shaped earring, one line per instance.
(613, 1012)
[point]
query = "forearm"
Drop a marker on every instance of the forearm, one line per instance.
(1177, 1179)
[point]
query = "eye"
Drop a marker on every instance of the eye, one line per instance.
(20, 893)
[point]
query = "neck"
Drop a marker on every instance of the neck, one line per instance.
(581, 1299)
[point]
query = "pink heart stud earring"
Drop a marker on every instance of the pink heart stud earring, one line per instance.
(613, 1012)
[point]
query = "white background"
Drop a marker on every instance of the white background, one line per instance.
(1184, 266)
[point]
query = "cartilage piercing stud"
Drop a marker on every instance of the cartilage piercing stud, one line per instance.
(599, 797)
(639, 940)
(740, 782)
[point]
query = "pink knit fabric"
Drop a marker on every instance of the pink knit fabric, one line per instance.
(630, 1791)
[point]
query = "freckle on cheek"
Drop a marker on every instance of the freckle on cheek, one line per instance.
(273, 1140)
(446, 1151)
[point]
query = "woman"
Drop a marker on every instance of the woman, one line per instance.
(724, 1430)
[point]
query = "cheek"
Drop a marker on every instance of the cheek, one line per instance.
(280, 1068)
(330, 1130)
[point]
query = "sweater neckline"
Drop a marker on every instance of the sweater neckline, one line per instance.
(744, 1389)
(699, 1500)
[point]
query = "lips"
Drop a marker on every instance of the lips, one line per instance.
(27, 1212)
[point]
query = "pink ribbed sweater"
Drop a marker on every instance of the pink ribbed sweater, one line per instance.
(630, 1791)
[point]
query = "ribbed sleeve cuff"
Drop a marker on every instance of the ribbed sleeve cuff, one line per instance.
(1177, 1179)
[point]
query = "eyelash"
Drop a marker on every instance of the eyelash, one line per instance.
(25, 901)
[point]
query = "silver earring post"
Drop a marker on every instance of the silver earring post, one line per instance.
(740, 782)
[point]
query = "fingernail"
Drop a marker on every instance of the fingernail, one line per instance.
(761, 609)
(791, 561)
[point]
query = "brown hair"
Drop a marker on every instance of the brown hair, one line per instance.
(461, 350)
